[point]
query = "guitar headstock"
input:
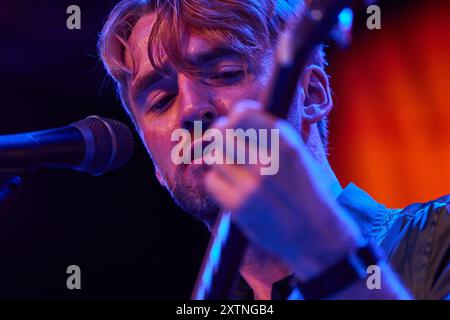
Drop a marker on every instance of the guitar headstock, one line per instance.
(340, 13)
(295, 45)
(342, 31)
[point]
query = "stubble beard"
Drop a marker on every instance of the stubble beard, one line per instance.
(191, 194)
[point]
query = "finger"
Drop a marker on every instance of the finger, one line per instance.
(249, 150)
(246, 153)
(221, 190)
(244, 115)
(238, 176)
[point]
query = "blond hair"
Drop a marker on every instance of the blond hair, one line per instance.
(247, 26)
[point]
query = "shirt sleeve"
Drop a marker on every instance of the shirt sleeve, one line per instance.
(421, 255)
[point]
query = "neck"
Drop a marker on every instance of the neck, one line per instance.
(332, 183)
(261, 270)
(311, 138)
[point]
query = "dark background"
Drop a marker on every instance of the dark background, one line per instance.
(122, 229)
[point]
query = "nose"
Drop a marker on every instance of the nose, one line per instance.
(195, 103)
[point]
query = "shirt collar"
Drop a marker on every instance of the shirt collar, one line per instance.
(361, 207)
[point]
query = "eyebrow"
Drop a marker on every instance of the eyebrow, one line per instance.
(145, 83)
(212, 56)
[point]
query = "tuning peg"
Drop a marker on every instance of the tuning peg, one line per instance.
(342, 32)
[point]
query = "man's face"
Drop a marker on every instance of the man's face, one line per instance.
(164, 104)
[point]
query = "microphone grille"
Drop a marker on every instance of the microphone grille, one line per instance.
(109, 144)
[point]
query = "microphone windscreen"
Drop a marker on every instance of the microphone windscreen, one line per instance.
(109, 144)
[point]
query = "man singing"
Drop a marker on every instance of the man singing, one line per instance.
(180, 62)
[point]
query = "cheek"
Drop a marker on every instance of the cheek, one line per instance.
(156, 135)
(227, 98)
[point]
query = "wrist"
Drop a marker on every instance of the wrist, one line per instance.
(331, 242)
(343, 275)
(309, 266)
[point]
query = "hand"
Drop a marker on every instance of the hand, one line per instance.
(290, 214)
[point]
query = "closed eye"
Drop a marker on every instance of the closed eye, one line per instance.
(162, 104)
(227, 77)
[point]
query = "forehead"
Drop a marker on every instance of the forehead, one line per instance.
(137, 53)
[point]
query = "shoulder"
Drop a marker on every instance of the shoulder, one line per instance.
(417, 245)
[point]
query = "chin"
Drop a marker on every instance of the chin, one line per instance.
(190, 194)
(197, 171)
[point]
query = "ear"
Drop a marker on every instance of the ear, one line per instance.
(317, 102)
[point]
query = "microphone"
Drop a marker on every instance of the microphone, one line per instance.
(94, 145)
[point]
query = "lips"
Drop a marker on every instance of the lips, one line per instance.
(200, 145)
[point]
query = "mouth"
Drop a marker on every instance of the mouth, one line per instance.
(196, 151)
